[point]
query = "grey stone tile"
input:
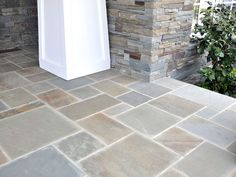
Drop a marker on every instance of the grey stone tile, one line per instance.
(72, 84)
(233, 174)
(170, 83)
(3, 159)
(88, 107)
(208, 98)
(39, 87)
(40, 77)
(43, 163)
(207, 161)
(17, 97)
(19, 59)
(148, 120)
(104, 75)
(26, 132)
(85, 92)
(134, 98)
(227, 119)
(207, 113)
(209, 131)
(8, 67)
(104, 128)
(173, 173)
(134, 156)
(124, 79)
(110, 88)
(150, 89)
(176, 105)
(11, 80)
(29, 64)
(30, 71)
(232, 147)
(178, 140)
(3, 107)
(117, 109)
(79, 146)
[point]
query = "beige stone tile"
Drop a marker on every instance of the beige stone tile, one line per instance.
(104, 128)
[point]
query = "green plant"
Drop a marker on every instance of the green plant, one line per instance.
(216, 38)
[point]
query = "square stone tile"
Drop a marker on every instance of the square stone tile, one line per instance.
(232, 147)
(8, 67)
(104, 75)
(150, 89)
(71, 84)
(110, 88)
(43, 163)
(208, 98)
(11, 80)
(85, 92)
(26, 132)
(207, 113)
(79, 146)
(173, 173)
(207, 161)
(124, 79)
(39, 87)
(170, 83)
(148, 120)
(117, 109)
(88, 107)
(3, 107)
(19, 59)
(134, 98)
(178, 140)
(209, 131)
(3, 159)
(17, 97)
(30, 71)
(176, 105)
(57, 98)
(104, 128)
(227, 119)
(134, 156)
(40, 77)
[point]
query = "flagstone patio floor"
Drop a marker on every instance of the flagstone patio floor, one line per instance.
(110, 125)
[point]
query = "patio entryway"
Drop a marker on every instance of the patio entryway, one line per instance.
(110, 125)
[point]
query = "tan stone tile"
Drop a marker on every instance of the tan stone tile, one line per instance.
(56, 98)
(104, 128)
(178, 140)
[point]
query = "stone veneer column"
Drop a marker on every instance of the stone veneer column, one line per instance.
(150, 38)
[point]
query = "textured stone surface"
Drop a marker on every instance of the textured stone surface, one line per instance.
(170, 83)
(148, 120)
(124, 80)
(30, 71)
(208, 160)
(8, 67)
(43, 163)
(85, 92)
(118, 109)
(134, 98)
(39, 87)
(176, 105)
(40, 77)
(136, 156)
(27, 132)
(227, 119)
(104, 128)
(79, 146)
(207, 113)
(104, 75)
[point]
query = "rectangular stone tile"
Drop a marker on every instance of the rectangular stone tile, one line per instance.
(110, 88)
(134, 98)
(232, 147)
(8, 67)
(43, 163)
(40, 77)
(30, 71)
(207, 161)
(88, 107)
(148, 120)
(104, 128)
(117, 109)
(19, 59)
(57, 98)
(3, 107)
(209, 131)
(150, 89)
(26, 132)
(124, 79)
(21, 109)
(39, 87)
(170, 83)
(104, 75)
(17, 97)
(79, 146)
(29, 64)
(178, 140)
(207, 113)
(176, 105)
(227, 119)
(85, 92)
(134, 156)
(3, 159)
(72, 84)
(208, 98)
(11, 80)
